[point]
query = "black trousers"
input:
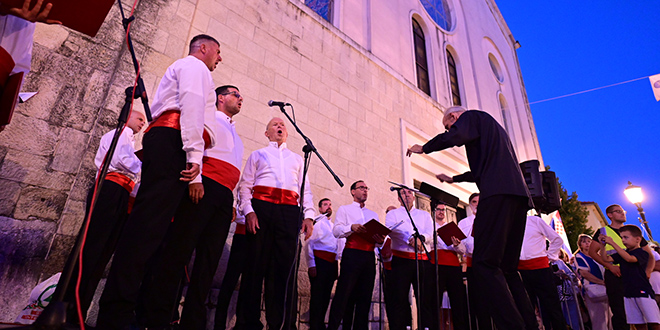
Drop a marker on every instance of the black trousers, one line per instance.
(270, 257)
(203, 228)
(355, 287)
(540, 283)
(235, 266)
(321, 289)
(400, 278)
(479, 317)
(450, 279)
(614, 288)
(156, 203)
(105, 226)
(498, 234)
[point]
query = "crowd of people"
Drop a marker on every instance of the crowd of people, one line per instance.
(190, 184)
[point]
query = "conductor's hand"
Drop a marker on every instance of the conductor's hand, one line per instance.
(196, 191)
(445, 178)
(308, 228)
(251, 223)
(378, 238)
(311, 271)
(34, 15)
(190, 173)
(416, 149)
(358, 228)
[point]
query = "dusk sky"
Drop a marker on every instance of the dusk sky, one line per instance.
(597, 141)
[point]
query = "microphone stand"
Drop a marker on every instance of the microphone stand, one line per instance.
(416, 236)
(308, 148)
(54, 315)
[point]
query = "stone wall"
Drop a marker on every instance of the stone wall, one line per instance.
(347, 100)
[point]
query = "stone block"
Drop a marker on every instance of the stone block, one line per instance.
(72, 218)
(9, 193)
(22, 252)
(40, 203)
(186, 10)
(59, 252)
(30, 135)
(223, 33)
(32, 169)
(50, 36)
(70, 147)
(38, 107)
(251, 49)
(264, 39)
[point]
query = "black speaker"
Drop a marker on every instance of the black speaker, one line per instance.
(533, 179)
(551, 191)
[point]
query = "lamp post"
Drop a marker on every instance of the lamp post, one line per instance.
(635, 196)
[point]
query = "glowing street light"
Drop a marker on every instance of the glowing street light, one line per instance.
(635, 196)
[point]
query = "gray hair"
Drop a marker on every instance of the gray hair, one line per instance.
(456, 108)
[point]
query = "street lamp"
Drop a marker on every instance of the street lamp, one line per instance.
(635, 196)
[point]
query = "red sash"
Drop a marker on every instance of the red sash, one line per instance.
(275, 195)
(409, 255)
(534, 264)
(325, 255)
(240, 229)
(468, 261)
(355, 241)
(172, 119)
(221, 172)
(387, 265)
(121, 180)
(445, 257)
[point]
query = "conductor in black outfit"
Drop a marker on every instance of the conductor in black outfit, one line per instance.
(501, 215)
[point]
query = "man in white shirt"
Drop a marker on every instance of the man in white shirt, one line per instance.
(269, 194)
(404, 270)
(323, 250)
(358, 269)
(201, 223)
(534, 268)
(478, 313)
(109, 215)
(450, 275)
(173, 145)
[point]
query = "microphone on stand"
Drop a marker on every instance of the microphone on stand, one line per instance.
(395, 188)
(272, 103)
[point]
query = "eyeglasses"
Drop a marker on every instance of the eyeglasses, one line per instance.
(620, 211)
(238, 96)
(365, 188)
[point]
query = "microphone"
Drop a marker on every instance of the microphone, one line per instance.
(395, 188)
(272, 103)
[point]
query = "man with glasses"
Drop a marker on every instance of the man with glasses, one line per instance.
(613, 282)
(201, 223)
(500, 223)
(358, 264)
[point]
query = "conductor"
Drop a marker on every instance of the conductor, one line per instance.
(500, 222)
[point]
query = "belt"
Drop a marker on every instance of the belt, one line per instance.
(325, 255)
(275, 195)
(409, 255)
(172, 119)
(534, 264)
(221, 172)
(445, 257)
(355, 241)
(121, 180)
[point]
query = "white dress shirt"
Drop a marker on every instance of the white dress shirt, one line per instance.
(466, 226)
(536, 233)
(323, 240)
(277, 167)
(228, 145)
(124, 160)
(16, 36)
(350, 214)
(402, 234)
(187, 86)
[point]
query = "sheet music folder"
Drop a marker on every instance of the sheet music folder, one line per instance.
(84, 16)
(450, 229)
(374, 227)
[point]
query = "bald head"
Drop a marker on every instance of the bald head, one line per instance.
(276, 131)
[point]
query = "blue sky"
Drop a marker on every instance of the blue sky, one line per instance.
(598, 141)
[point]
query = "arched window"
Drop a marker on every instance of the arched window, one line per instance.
(439, 12)
(421, 62)
(321, 7)
(453, 79)
(504, 108)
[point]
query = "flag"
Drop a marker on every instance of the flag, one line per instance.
(558, 225)
(655, 85)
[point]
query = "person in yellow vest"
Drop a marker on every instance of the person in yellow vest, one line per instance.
(613, 282)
